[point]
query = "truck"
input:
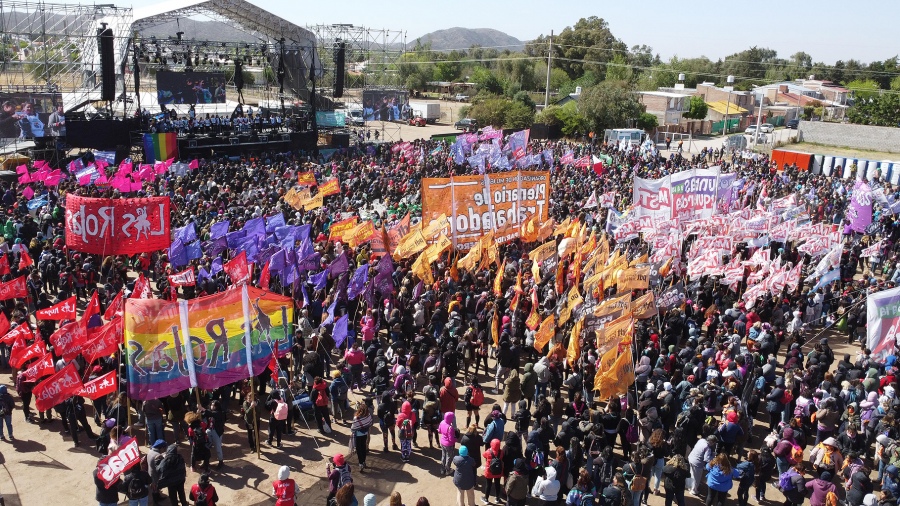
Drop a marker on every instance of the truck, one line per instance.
(431, 111)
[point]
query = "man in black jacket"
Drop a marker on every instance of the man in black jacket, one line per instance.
(106, 496)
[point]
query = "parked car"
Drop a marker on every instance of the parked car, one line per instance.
(750, 130)
(467, 124)
(461, 98)
(766, 128)
(793, 124)
(417, 121)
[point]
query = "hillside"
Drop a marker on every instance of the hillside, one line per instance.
(464, 38)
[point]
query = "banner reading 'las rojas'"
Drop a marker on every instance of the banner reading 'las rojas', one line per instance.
(477, 205)
(690, 194)
(218, 347)
(117, 226)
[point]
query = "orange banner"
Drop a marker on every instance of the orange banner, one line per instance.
(330, 187)
(306, 179)
(475, 208)
(339, 228)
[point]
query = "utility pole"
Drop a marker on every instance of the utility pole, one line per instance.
(549, 56)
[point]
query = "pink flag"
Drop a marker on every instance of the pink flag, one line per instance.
(194, 164)
(84, 180)
(40, 164)
(25, 178)
(41, 175)
(22, 169)
(125, 168)
(54, 178)
(169, 162)
(121, 183)
(28, 192)
(101, 164)
(102, 179)
(160, 168)
(136, 187)
(146, 172)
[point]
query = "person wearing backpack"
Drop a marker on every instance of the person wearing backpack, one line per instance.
(675, 474)
(135, 484)
(793, 485)
(474, 398)
(719, 479)
(583, 493)
(406, 427)
(820, 488)
(464, 477)
(338, 476)
(321, 401)
(517, 484)
(172, 475)
(203, 493)
(747, 472)
(447, 438)
(493, 471)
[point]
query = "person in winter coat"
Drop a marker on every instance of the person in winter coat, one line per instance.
(529, 383)
(448, 396)
(107, 496)
(447, 438)
(359, 430)
(675, 474)
(826, 456)
(172, 475)
(860, 486)
(819, 488)
(517, 485)
(795, 494)
(547, 488)
(285, 488)
(495, 428)
(135, 484)
(764, 471)
(406, 426)
(153, 457)
(701, 455)
(512, 392)
(464, 477)
(775, 403)
(747, 473)
(203, 493)
(472, 440)
(320, 402)
(7, 404)
(719, 479)
(493, 470)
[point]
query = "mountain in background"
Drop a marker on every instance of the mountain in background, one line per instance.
(199, 30)
(464, 38)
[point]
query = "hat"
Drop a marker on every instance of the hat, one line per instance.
(691, 378)
(732, 416)
(338, 459)
(109, 423)
(160, 443)
(369, 500)
(495, 414)
(667, 386)
(826, 476)
(463, 451)
(284, 472)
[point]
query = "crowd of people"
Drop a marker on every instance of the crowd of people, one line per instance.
(709, 375)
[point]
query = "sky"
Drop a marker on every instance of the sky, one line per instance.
(828, 30)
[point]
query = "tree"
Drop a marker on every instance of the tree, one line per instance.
(486, 80)
(502, 112)
(618, 69)
(696, 108)
(518, 115)
(610, 104)
(579, 46)
(863, 88)
(879, 110)
(566, 118)
(647, 121)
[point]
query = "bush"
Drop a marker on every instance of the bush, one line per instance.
(501, 113)
(647, 121)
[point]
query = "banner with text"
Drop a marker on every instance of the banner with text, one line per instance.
(117, 226)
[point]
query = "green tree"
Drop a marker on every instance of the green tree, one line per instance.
(647, 121)
(486, 80)
(879, 110)
(502, 112)
(618, 69)
(895, 83)
(518, 115)
(610, 104)
(696, 108)
(566, 118)
(863, 88)
(587, 45)
(524, 98)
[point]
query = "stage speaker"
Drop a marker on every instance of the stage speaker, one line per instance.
(339, 62)
(238, 75)
(106, 45)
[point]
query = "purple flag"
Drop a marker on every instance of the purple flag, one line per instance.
(310, 263)
(305, 295)
(216, 266)
(277, 261)
(235, 238)
(256, 226)
(187, 233)
(318, 280)
(417, 291)
(203, 274)
(177, 253)
(385, 265)
(860, 211)
(306, 249)
(274, 221)
(330, 312)
(215, 247)
(219, 229)
(358, 281)
(339, 266)
(193, 250)
(340, 331)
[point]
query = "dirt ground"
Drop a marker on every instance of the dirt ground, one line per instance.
(41, 455)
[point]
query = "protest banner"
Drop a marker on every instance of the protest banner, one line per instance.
(57, 388)
(306, 179)
(117, 226)
(476, 205)
(65, 310)
(330, 187)
(671, 297)
(115, 464)
(15, 289)
(68, 340)
(882, 322)
(687, 195)
(100, 387)
(183, 278)
(231, 333)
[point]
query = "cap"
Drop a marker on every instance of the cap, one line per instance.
(159, 443)
(339, 459)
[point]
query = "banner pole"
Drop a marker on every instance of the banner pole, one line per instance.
(255, 416)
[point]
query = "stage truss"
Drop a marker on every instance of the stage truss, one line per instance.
(53, 47)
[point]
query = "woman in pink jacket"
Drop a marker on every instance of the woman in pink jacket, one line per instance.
(447, 438)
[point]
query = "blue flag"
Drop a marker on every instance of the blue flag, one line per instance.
(358, 281)
(339, 334)
(829, 277)
(193, 250)
(219, 229)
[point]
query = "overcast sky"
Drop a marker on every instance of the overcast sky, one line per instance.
(829, 30)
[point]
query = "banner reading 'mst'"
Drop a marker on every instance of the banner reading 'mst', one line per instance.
(163, 359)
(117, 226)
(476, 205)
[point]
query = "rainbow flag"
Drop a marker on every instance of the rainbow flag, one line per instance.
(160, 147)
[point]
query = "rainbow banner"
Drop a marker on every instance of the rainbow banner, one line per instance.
(160, 147)
(221, 349)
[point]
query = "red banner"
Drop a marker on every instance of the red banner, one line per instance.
(115, 307)
(99, 387)
(4, 326)
(25, 260)
(37, 370)
(183, 278)
(141, 288)
(23, 332)
(103, 341)
(65, 310)
(237, 268)
(127, 456)
(4, 264)
(15, 289)
(19, 356)
(69, 340)
(117, 226)
(57, 388)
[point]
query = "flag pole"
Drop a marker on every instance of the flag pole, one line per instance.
(255, 416)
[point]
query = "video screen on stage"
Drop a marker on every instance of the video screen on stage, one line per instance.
(28, 115)
(190, 88)
(384, 105)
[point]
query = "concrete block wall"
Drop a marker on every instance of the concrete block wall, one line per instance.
(846, 135)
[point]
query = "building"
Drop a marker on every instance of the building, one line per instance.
(667, 106)
(571, 97)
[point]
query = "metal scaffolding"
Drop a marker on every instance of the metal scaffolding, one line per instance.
(372, 57)
(53, 47)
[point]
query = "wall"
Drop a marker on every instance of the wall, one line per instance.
(870, 138)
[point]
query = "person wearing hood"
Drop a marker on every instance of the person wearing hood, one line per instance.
(826, 456)
(320, 402)
(642, 373)
(369, 500)
(512, 391)
(529, 384)
(7, 404)
(493, 471)
(172, 475)
(819, 488)
(783, 450)
(464, 477)
(448, 396)
(447, 439)
(203, 493)
(775, 403)
(517, 484)
(719, 479)
(547, 488)
(406, 426)
(107, 496)
(285, 488)
(495, 429)
(135, 484)
(154, 456)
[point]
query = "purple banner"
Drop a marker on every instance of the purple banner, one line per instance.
(859, 214)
